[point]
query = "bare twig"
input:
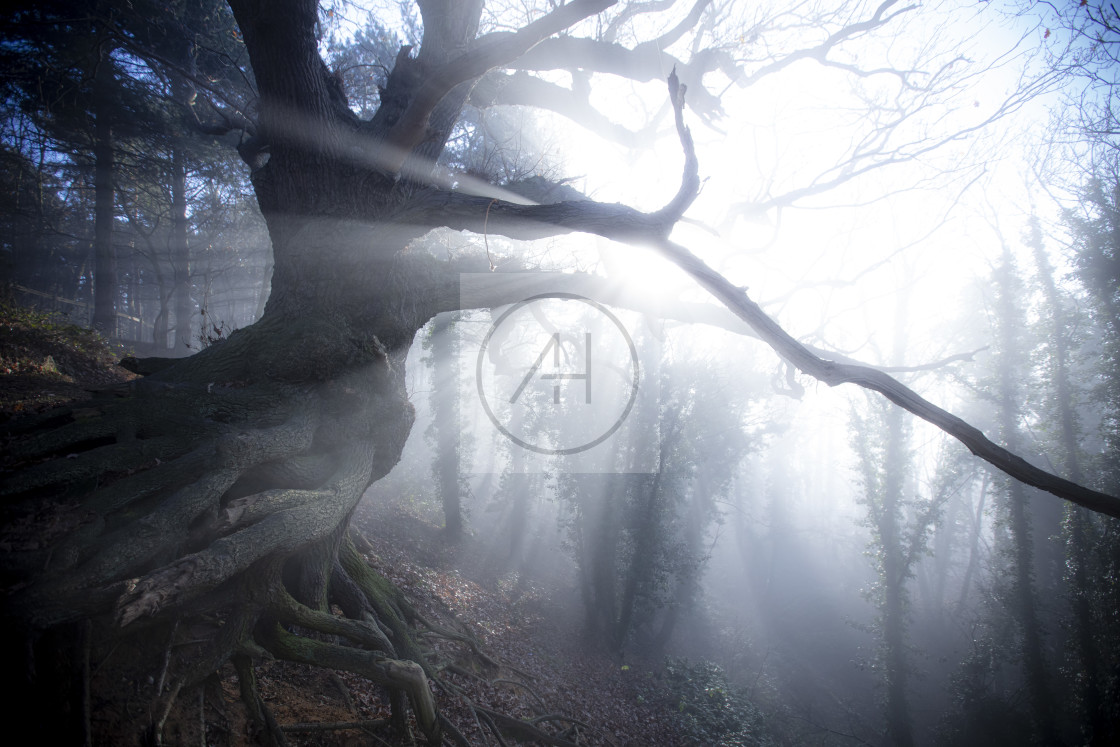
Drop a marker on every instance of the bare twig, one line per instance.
(166, 658)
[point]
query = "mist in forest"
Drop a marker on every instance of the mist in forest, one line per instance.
(841, 564)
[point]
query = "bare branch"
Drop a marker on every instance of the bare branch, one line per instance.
(642, 64)
(522, 89)
(488, 52)
(820, 52)
(483, 213)
(833, 373)
(635, 9)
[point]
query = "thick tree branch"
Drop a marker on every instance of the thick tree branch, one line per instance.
(690, 179)
(833, 373)
(290, 74)
(600, 220)
(492, 289)
(649, 60)
(522, 89)
(488, 52)
(642, 64)
(483, 214)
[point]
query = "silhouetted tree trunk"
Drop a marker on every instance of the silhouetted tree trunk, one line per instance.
(1023, 602)
(649, 506)
(445, 422)
(975, 531)
(895, 571)
(599, 528)
(1078, 523)
(105, 253)
(180, 250)
(687, 585)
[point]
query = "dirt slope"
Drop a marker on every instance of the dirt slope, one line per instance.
(45, 362)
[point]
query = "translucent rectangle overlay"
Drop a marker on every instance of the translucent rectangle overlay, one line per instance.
(552, 380)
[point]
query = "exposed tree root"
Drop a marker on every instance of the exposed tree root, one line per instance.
(452, 731)
(404, 675)
(214, 528)
(520, 685)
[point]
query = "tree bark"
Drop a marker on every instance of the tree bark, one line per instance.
(445, 423)
(105, 253)
(180, 250)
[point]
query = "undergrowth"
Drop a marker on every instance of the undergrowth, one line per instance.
(45, 360)
(710, 710)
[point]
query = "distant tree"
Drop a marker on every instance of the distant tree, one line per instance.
(1015, 506)
(1095, 227)
(638, 539)
(119, 110)
(445, 428)
(70, 78)
(900, 522)
(1093, 543)
(33, 218)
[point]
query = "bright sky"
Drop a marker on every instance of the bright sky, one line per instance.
(832, 267)
(842, 253)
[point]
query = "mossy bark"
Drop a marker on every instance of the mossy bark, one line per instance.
(221, 488)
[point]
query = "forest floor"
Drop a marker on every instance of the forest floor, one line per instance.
(546, 667)
(527, 626)
(46, 362)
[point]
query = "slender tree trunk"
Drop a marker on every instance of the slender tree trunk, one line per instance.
(688, 581)
(180, 250)
(885, 486)
(160, 332)
(894, 576)
(943, 554)
(1077, 521)
(445, 422)
(650, 505)
(975, 533)
(1023, 599)
(520, 494)
(599, 527)
(105, 256)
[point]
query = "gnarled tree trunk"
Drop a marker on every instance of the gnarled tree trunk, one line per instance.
(216, 494)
